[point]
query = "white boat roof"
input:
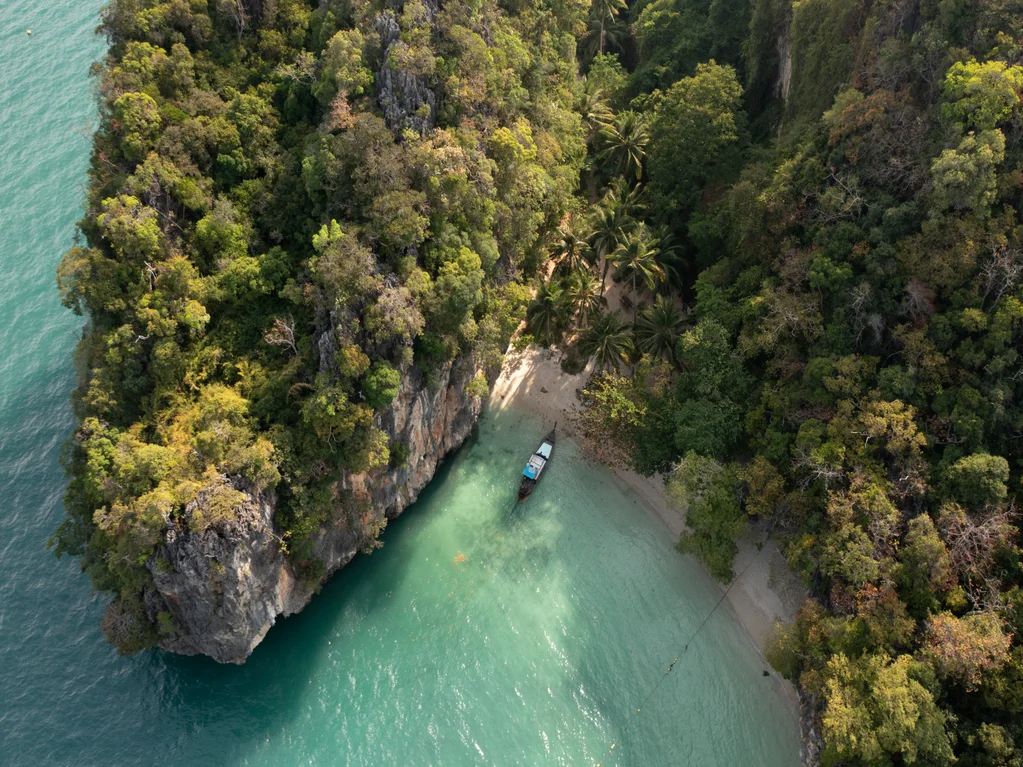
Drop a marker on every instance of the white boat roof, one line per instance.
(537, 461)
(545, 450)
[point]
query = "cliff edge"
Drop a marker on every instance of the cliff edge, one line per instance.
(224, 588)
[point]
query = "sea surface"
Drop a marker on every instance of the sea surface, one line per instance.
(482, 633)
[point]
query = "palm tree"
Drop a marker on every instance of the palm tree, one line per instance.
(625, 141)
(658, 329)
(608, 227)
(671, 259)
(596, 114)
(608, 339)
(604, 26)
(547, 314)
(584, 295)
(601, 35)
(571, 253)
(635, 259)
(612, 220)
(633, 198)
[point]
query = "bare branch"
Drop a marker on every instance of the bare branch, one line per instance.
(282, 333)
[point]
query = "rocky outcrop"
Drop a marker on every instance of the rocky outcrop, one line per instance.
(222, 589)
(406, 97)
(784, 50)
(812, 744)
(431, 423)
(219, 591)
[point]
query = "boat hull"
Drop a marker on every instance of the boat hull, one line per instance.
(528, 485)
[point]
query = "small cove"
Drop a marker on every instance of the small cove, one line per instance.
(482, 633)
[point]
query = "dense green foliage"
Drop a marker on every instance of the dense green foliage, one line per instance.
(813, 211)
(811, 216)
(293, 207)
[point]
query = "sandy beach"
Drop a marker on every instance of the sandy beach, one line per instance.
(764, 591)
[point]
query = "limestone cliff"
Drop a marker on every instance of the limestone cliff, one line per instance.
(218, 592)
(406, 97)
(221, 590)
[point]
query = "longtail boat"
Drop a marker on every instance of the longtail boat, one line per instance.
(536, 465)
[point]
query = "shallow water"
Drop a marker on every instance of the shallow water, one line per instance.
(484, 632)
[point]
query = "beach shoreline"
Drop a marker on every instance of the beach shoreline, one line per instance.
(764, 592)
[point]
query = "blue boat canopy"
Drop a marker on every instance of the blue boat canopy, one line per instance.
(534, 467)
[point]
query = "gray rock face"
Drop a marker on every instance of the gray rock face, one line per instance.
(406, 98)
(783, 45)
(432, 423)
(224, 588)
(809, 727)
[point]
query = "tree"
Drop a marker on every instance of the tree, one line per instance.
(848, 554)
(282, 333)
(571, 253)
(710, 392)
(891, 426)
(604, 19)
(981, 96)
(221, 234)
(624, 145)
(547, 315)
(127, 627)
(139, 117)
(708, 492)
(973, 541)
(658, 329)
(131, 228)
(765, 493)
(966, 649)
(395, 317)
(607, 76)
(635, 259)
(608, 339)
(925, 568)
(877, 707)
(584, 295)
(458, 289)
(695, 137)
(593, 108)
(671, 259)
(979, 480)
(343, 70)
(615, 413)
(611, 221)
(343, 265)
(965, 178)
(381, 385)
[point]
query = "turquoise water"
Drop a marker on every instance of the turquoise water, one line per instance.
(482, 633)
